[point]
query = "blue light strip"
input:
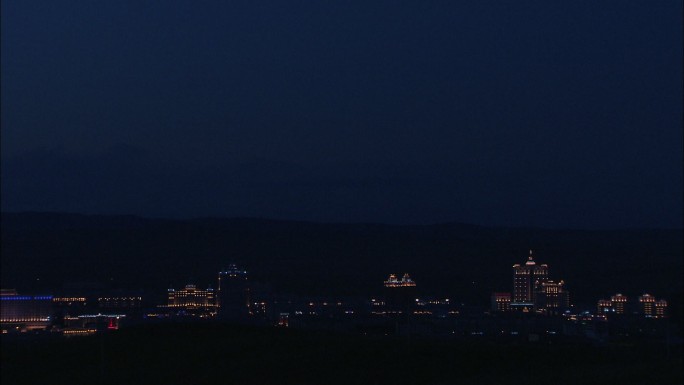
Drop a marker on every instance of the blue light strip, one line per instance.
(25, 298)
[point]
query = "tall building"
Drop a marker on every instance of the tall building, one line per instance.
(233, 299)
(534, 291)
(551, 298)
(525, 279)
(192, 301)
(400, 294)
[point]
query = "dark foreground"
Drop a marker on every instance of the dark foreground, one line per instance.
(223, 354)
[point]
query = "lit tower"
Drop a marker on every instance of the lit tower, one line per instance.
(526, 279)
(233, 293)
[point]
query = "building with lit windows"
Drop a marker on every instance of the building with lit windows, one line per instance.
(647, 305)
(501, 302)
(551, 298)
(525, 280)
(191, 301)
(69, 306)
(400, 294)
(25, 312)
(619, 303)
(534, 291)
(604, 306)
(661, 308)
(233, 300)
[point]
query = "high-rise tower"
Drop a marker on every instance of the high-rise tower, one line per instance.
(526, 278)
(233, 293)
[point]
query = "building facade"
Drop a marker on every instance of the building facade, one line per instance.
(191, 301)
(25, 312)
(526, 278)
(551, 298)
(618, 302)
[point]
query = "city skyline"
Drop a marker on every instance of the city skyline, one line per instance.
(341, 192)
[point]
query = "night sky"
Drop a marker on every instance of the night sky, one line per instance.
(525, 113)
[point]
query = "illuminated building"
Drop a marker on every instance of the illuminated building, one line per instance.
(551, 298)
(501, 302)
(405, 281)
(192, 301)
(618, 303)
(399, 293)
(65, 306)
(233, 299)
(525, 279)
(647, 305)
(604, 306)
(25, 311)
(534, 291)
(661, 308)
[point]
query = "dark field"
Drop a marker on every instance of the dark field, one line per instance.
(224, 354)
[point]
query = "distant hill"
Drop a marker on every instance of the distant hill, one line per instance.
(464, 262)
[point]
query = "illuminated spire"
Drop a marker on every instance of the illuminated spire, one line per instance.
(530, 261)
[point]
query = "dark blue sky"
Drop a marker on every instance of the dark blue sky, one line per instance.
(545, 113)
